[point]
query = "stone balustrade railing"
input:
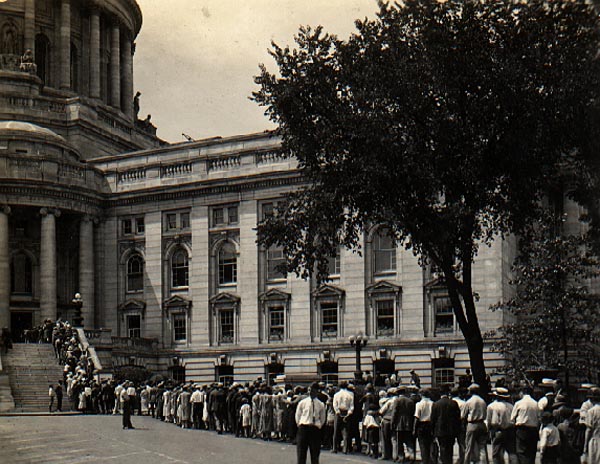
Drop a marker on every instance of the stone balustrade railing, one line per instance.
(131, 175)
(71, 171)
(223, 163)
(99, 337)
(176, 169)
(112, 122)
(88, 349)
(270, 157)
(135, 344)
(33, 103)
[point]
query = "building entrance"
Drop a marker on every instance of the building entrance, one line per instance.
(19, 323)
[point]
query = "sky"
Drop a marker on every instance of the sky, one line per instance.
(195, 59)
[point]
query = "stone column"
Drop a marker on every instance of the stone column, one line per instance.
(48, 263)
(4, 268)
(29, 30)
(115, 65)
(65, 44)
(127, 76)
(86, 270)
(95, 53)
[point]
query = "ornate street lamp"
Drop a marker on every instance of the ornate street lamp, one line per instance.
(78, 302)
(358, 341)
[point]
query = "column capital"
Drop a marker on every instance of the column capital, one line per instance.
(50, 211)
(5, 209)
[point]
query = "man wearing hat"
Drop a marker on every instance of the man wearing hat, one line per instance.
(592, 423)
(310, 417)
(402, 421)
(475, 413)
(500, 426)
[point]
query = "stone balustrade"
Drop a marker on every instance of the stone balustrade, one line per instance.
(176, 169)
(147, 345)
(131, 175)
(224, 163)
(270, 157)
(99, 337)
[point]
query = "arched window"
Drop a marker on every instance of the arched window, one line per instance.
(384, 252)
(179, 269)
(135, 274)
(21, 274)
(227, 264)
(42, 57)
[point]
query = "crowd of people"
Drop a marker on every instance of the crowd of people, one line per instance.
(78, 378)
(386, 423)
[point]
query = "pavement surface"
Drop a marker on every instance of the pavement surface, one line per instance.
(100, 439)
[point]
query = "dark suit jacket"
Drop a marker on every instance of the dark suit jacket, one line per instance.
(404, 414)
(445, 418)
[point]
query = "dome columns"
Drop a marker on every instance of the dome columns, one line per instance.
(4, 268)
(65, 45)
(95, 52)
(115, 64)
(48, 268)
(86, 269)
(29, 29)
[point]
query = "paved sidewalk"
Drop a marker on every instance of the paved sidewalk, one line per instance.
(100, 439)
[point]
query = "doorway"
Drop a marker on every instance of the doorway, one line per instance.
(19, 323)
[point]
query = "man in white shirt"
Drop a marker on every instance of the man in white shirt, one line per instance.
(343, 406)
(422, 427)
(310, 417)
(475, 413)
(525, 416)
(500, 427)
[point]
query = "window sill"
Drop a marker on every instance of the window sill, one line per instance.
(385, 273)
(134, 292)
(179, 289)
(279, 280)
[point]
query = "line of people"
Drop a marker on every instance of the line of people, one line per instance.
(388, 424)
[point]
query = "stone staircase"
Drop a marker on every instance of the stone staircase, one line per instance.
(31, 368)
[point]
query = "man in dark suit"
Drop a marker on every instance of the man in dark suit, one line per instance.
(445, 422)
(403, 422)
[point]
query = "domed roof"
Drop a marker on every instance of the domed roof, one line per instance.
(20, 126)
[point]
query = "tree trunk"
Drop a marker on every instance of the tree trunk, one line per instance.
(475, 347)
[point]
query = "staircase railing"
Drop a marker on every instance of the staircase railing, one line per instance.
(89, 350)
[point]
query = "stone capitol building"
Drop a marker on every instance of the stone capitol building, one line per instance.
(159, 240)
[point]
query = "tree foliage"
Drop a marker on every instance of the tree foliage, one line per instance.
(445, 121)
(555, 318)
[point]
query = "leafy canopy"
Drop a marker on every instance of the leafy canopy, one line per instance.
(445, 121)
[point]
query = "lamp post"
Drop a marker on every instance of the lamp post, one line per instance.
(358, 341)
(78, 302)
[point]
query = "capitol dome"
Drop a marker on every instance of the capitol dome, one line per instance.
(29, 128)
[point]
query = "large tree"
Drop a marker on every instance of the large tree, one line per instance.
(444, 121)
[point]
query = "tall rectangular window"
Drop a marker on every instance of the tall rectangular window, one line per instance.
(126, 227)
(276, 323)
(268, 210)
(134, 326)
(184, 220)
(275, 258)
(218, 216)
(226, 327)
(179, 327)
(329, 319)
(140, 227)
(385, 317)
(384, 253)
(334, 264)
(171, 221)
(232, 214)
(443, 315)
